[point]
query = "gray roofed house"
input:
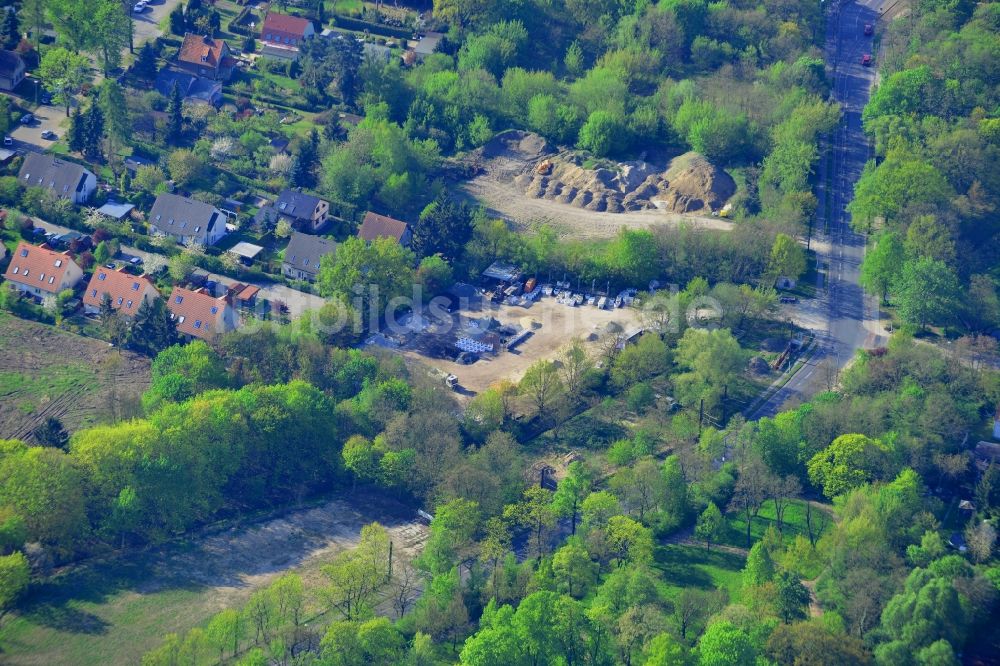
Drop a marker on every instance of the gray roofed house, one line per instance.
(187, 220)
(12, 69)
(303, 254)
(66, 180)
(195, 89)
(303, 211)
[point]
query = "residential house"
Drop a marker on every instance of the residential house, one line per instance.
(193, 89)
(380, 226)
(187, 220)
(127, 291)
(282, 35)
(303, 254)
(12, 69)
(40, 271)
(303, 211)
(66, 180)
(199, 314)
(202, 55)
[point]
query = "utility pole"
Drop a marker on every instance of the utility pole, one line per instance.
(701, 415)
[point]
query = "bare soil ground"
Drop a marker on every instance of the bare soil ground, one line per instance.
(560, 324)
(509, 161)
(115, 610)
(47, 372)
(502, 199)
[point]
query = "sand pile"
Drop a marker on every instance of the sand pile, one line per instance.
(690, 184)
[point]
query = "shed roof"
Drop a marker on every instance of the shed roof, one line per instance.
(246, 250)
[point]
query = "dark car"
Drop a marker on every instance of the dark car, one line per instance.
(866, 60)
(869, 29)
(45, 97)
(788, 299)
(27, 119)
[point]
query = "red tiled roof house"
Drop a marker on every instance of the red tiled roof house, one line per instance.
(380, 226)
(199, 314)
(40, 271)
(282, 35)
(127, 292)
(203, 56)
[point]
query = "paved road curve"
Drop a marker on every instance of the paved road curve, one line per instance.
(843, 318)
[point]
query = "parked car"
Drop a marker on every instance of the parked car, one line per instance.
(788, 299)
(45, 97)
(49, 135)
(140, 7)
(8, 140)
(869, 29)
(27, 119)
(866, 60)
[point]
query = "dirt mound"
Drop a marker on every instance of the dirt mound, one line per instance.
(695, 184)
(690, 184)
(516, 144)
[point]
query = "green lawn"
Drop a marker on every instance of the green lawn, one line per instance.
(684, 566)
(94, 618)
(795, 523)
(348, 7)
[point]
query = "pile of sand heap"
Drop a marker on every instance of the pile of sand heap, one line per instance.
(690, 184)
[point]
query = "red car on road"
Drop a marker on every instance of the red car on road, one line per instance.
(866, 60)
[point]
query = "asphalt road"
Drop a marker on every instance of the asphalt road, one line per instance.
(843, 318)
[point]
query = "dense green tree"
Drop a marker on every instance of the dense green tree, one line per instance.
(175, 117)
(65, 73)
(370, 273)
(927, 292)
(444, 227)
(146, 65)
(725, 644)
(849, 461)
(182, 371)
(14, 578)
(882, 265)
(710, 525)
(10, 30)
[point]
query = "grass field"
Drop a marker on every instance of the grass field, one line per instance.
(685, 565)
(794, 523)
(116, 610)
(48, 372)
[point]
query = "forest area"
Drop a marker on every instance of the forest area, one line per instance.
(858, 527)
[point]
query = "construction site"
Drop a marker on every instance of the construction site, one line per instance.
(478, 335)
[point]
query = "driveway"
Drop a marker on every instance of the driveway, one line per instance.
(29, 137)
(147, 24)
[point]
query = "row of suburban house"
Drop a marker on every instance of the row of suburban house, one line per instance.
(41, 271)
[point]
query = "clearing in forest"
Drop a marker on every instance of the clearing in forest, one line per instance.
(115, 610)
(47, 372)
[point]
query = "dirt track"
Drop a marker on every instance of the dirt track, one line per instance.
(503, 200)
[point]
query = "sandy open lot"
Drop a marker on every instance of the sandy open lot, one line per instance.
(502, 199)
(560, 324)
